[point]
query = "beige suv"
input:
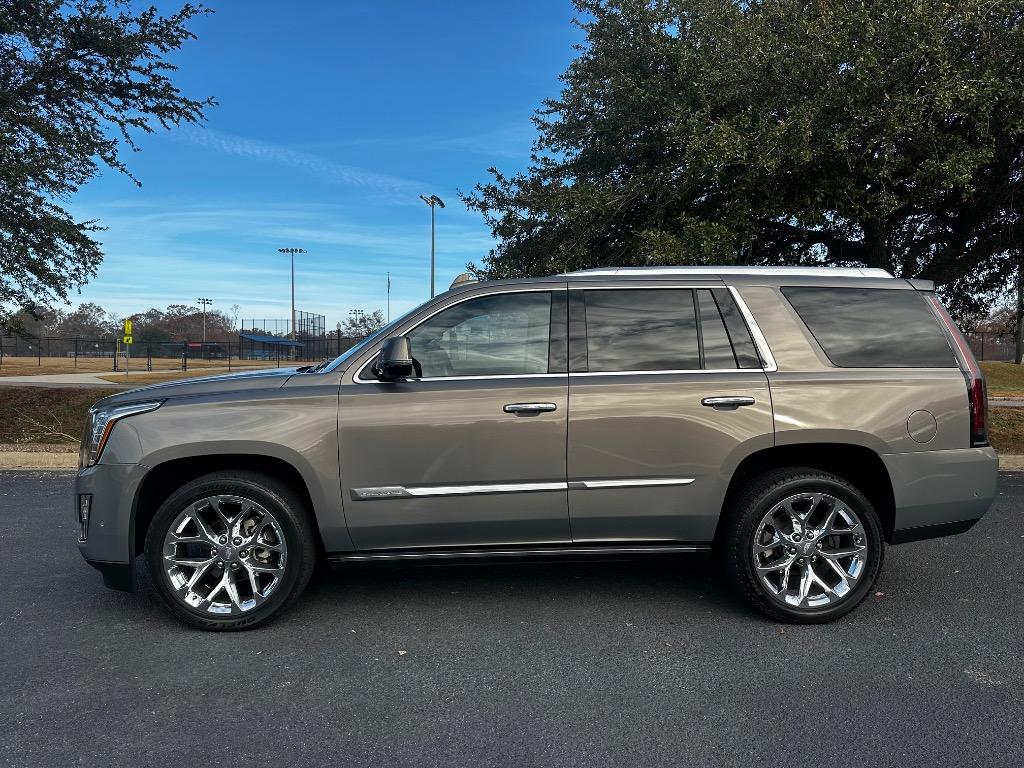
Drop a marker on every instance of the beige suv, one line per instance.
(793, 421)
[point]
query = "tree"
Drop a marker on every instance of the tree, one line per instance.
(888, 134)
(77, 78)
(88, 321)
(362, 324)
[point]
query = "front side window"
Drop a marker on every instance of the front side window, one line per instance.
(501, 335)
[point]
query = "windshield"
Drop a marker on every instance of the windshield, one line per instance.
(361, 345)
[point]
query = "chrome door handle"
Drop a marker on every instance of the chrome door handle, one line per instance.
(528, 407)
(727, 403)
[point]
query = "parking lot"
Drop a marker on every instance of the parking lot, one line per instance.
(626, 663)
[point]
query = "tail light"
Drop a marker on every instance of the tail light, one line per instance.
(976, 396)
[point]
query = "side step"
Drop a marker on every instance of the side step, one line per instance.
(511, 553)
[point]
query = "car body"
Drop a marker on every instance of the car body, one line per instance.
(603, 412)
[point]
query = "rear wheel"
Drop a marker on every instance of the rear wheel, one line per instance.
(230, 550)
(802, 545)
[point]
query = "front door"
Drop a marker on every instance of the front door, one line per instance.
(471, 452)
(666, 386)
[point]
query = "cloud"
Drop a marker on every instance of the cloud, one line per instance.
(307, 162)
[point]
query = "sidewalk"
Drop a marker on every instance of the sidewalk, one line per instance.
(72, 380)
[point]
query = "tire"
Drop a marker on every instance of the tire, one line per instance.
(246, 535)
(783, 513)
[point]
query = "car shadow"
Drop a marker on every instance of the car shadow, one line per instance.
(679, 580)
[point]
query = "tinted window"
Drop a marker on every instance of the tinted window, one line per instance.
(739, 333)
(717, 348)
(641, 330)
(873, 327)
(501, 335)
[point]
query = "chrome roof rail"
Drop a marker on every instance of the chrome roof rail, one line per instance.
(691, 271)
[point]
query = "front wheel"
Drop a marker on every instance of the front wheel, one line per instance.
(803, 546)
(230, 550)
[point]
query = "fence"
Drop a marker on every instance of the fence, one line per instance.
(988, 345)
(109, 354)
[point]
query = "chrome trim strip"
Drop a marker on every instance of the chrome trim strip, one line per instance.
(401, 491)
(580, 485)
(346, 557)
(425, 491)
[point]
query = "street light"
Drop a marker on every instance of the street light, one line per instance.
(291, 252)
(432, 201)
(204, 303)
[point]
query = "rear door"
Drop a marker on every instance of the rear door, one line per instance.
(666, 391)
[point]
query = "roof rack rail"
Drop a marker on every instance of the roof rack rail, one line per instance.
(734, 270)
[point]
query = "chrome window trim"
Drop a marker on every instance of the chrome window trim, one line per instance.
(673, 372)
(358, 376)
(382, 492)
(764, 351)
(767, 358)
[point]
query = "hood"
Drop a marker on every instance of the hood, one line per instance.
(264, 378)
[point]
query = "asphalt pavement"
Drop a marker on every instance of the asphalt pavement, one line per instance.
(613, 664)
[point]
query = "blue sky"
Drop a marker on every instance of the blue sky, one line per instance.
(331, 121)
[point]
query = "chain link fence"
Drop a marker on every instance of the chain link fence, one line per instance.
(109, 354)
(988, 345)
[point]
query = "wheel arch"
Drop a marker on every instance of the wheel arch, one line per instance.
(860, 465)
(166, 477)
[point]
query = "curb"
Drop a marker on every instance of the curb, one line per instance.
(1008, 462)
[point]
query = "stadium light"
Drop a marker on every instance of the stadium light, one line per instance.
(204, 303)
(432, 201)
(291, 252)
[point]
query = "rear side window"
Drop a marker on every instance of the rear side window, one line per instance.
(736, 327)
(658, 329)
(873, 327)
(641, 330)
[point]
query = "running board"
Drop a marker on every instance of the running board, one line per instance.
(484, 553)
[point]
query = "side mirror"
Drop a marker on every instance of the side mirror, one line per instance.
(395, 359)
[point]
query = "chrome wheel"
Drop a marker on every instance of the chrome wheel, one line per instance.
(224, 555)
(810, 550)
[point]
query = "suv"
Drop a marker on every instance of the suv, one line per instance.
(791, 420)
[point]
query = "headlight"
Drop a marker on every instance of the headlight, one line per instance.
(99, 425)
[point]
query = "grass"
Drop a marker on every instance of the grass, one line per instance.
(44, 415)
(1006, 429)
(1003, 379)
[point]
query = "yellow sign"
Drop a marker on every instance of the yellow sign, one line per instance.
(127, 339)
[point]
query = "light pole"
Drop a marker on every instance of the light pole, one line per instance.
(291, 252)
(204, 303)
(358, 315)
(432, 201)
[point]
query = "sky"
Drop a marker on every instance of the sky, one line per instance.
(333, 118)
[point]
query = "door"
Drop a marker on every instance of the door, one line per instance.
(471, 452)
(666, 389)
